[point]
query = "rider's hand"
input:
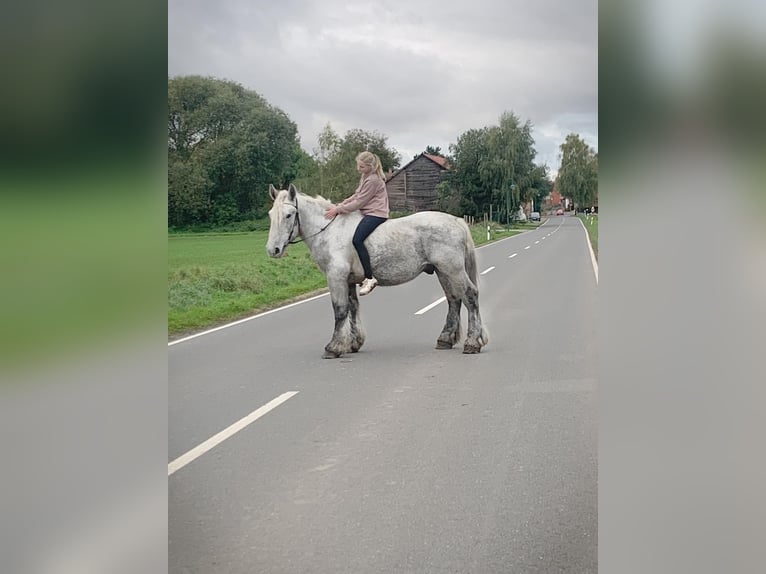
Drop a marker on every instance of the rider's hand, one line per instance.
(331, 212)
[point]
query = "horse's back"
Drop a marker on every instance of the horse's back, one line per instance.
(420, 241)
(431, 222)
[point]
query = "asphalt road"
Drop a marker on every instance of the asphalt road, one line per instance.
(400, 458)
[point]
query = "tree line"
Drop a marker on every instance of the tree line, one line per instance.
(578, 175)
(226, 144)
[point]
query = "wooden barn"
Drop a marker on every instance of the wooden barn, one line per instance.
(413, 187)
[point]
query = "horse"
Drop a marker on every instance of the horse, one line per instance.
(400, 250)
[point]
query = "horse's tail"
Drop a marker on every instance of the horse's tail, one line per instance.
(470, 255)
(473, 274)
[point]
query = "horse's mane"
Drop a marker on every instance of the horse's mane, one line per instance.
(317, 199)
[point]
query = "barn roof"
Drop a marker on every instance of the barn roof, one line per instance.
(437, 159)
(442, 161)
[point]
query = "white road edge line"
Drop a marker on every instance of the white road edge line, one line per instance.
(231, 430)
(487, 270)
(171, 343)
(512, 256)
(527, 247)
(431, 306)
(590, 248)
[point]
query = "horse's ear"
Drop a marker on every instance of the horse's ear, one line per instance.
(293, 191)
(272, 192)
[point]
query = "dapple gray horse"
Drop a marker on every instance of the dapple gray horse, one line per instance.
(400, 249)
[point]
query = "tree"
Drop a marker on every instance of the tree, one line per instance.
(578, 174)
(305, 170)
(431, 150)
(465, 191)
(188, 192)
(493, 166)
(336, 157)
(508, 168)
(226, 145)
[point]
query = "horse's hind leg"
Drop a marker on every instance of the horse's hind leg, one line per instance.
(451, 332)
(355, 320)
(477, 336)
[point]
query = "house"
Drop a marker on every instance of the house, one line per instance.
(554, 199)
(413, 187)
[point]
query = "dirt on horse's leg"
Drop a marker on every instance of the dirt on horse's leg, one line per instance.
(450, 334)
(355, 319)
(340, 342)
(476, 337)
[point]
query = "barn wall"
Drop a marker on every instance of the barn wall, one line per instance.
(414, 187)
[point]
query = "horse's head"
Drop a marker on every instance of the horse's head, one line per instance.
(284, 220)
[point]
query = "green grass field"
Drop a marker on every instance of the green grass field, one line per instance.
(215, 278)
(591, 224)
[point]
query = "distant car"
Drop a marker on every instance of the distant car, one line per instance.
(559, 212)
(534, 216)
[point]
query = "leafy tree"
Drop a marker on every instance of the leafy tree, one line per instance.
(465, 192)
(430, 150)
(305, 170)
(226, 145)
(493, 166)
(336, 156)
(188, 193)
(508, 168)
(578, 174)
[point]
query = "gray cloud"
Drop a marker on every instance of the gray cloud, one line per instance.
(420, 73)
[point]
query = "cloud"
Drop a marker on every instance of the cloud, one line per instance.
(419, 73)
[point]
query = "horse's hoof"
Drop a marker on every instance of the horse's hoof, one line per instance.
(471, 349)
(331, 355)
(443, 345)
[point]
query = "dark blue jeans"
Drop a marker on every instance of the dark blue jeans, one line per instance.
(363, 231)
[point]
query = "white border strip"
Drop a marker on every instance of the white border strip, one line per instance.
(171, 343)
(231, 430)
(590, 247)
(431, 306)
(487, 270)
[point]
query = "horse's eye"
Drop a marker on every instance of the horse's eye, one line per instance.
(289, 215)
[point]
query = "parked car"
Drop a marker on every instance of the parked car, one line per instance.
(534, 216)
(559, 212)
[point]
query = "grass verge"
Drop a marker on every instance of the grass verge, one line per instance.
(591, 225)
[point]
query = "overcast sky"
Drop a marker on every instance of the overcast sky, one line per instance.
(419, 72)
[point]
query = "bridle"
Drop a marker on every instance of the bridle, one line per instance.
(297, 223)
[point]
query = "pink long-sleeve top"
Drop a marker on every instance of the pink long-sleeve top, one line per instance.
(371, 198)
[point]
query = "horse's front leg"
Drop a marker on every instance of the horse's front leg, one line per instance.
(451, 332)
(342, 339)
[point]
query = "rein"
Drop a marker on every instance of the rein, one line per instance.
(297, 221)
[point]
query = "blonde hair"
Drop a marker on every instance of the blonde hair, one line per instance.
(370, 159)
